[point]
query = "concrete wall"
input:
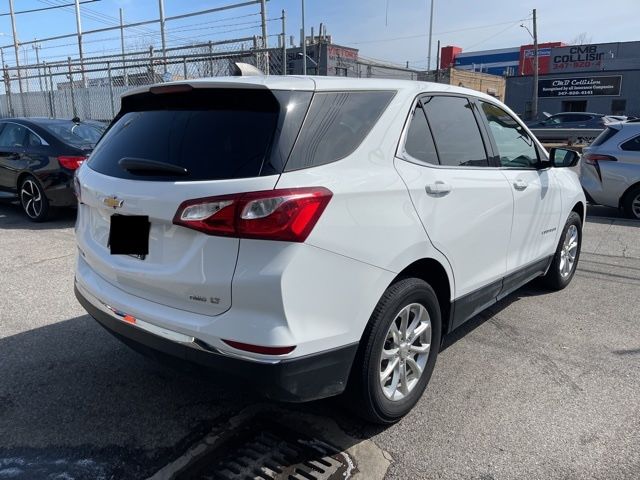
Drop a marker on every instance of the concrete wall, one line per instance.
(519, 90)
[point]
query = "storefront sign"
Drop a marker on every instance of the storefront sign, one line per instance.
(581, 57)
(580, 86)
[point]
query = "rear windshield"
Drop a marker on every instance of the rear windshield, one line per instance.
(75, 134)
(605, 135)
(214, 134)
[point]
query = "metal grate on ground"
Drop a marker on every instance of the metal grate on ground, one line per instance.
(263, 450)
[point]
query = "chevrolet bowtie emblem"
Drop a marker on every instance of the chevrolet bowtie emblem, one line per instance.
(112, 202)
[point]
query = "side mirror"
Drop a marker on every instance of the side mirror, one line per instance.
(563, 157)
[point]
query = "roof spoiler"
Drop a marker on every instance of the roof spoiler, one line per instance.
(241, 69)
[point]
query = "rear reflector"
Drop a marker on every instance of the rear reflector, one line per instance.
(71, 162)
(287, 214)
(247, 347)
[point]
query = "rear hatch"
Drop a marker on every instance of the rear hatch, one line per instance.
(178, 144)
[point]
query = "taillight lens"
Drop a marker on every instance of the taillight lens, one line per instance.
(247, 347)
(287, 214)
(70, 161)
(594, 158)
(77, 189)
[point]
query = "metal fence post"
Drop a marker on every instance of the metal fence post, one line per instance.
(125, 79)
(46, 88)
(210, 59)
(73, 99)
(113, 111)
(151, 75)
(184, 66)
(7, 86)
(265, 38)
(284, 44)
(53, 95)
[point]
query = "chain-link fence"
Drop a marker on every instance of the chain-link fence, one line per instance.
(91, 89)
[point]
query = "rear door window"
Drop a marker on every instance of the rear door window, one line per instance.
(214, 134)
(456, 132)
(336, 125)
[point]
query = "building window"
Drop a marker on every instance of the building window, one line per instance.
(618, 107)
(341, 72)
(574, 106)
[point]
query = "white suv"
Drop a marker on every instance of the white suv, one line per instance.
(311, 235)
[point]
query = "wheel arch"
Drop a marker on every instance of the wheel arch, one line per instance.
(623, 197)
(435, 274)
(581, 210)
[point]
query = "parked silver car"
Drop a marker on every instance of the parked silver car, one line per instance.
(610, 173)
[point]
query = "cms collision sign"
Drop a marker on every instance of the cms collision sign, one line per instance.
(580, 86)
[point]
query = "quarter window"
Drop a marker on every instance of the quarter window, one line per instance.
(419, 142)
(12, 135)
(455, 132)
(632, 145)
(515, 147)
(335, 126)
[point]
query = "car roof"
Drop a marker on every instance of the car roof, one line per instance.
(315, 83)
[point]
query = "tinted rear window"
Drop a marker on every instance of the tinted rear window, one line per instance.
(215, 134)
(75, 134)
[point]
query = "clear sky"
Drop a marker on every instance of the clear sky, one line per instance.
(389, 30)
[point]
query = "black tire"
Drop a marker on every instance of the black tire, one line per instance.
(632, 197)
(33, 200)
(554, 279)
(365, 392)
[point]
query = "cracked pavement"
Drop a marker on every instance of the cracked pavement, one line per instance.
(542, 385)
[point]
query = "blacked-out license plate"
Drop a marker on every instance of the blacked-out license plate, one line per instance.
(129, 235)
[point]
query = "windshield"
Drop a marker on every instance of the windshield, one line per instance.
(76, 134)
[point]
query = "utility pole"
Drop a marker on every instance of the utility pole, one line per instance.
(430, 36)
(15, 44)
(125, 81)
(534, 97)
(79, 27)
(304, 44)
(162, 37)
(263, 18)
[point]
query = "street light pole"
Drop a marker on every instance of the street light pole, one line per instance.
(79, 28)
(430, 36)
(15, 44)
(304, 44)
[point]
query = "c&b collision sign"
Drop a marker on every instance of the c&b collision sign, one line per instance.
(580, 86)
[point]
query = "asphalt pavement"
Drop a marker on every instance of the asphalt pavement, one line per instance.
(542, 385)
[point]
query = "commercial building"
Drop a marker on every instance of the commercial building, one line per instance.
(601, 78)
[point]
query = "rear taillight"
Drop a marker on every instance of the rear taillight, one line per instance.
(594, 158)
(77, 189)
(287, 214)
(70, 161)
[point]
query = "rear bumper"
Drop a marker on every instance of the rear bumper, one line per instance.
(300, 379)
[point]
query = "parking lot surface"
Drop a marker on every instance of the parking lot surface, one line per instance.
(542, 385)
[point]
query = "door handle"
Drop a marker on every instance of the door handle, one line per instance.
(438, 188)
(520, 184)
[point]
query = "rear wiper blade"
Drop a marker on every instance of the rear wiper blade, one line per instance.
(143, 166)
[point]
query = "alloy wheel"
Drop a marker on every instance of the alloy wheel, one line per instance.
(31, 198)
(635, 206)
(405, 351)
(569, 251)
